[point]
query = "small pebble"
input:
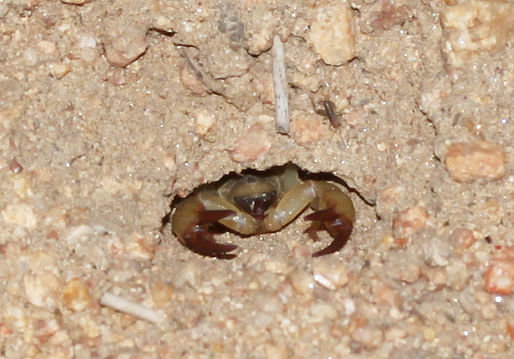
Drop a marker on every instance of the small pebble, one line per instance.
(383, 293)
(140, 247)
(204, 120)
(188, 275)
(349, 306)
(191, 81)
(42, 288)
(59, 70)
(274, 351)
(162, 293)
(462, 238)
(389, 198)
(436, 251)
(307, 128)
(467, 162)
(268, 303)
(276, 265)
(390, 14)
(252, 145)
(169, 161)
(20, 214)
(45, 328)
(403, 266)
(119, 76)
(76, 295)
(47, 47)
(21, 185)
(488, 310)
(14, 166)
(368, 336)
(322, 311)
(409, 221)
(394, 334)
(302, 282)
(510, 326)
(458, 275)
(31, 57)
(88, 50)
(127, 47)
(263, 84)
(330, 274)
(499, 276)
(89, 327)
(471, 27)
(437, 277)
(429, 333)
(332, 34)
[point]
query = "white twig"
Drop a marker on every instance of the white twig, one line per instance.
(280, 85)
(125, 306)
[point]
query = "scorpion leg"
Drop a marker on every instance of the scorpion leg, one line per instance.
(335, 213)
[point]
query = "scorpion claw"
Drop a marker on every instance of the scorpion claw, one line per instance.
(201, 241)
(337, 224)
(206, 217)
(322, 215)
(313, 230)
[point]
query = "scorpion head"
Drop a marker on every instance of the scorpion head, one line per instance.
(254, 195)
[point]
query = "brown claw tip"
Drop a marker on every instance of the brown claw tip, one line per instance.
(202, 242)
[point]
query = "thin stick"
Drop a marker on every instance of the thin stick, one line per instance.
(125, 306)
(280, 85)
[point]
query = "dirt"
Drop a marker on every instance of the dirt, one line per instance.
(110, 109)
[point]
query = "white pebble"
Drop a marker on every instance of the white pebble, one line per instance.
(322, 311)
(87, 41)
(302, 282)
(330, 274)
(349, 306)
(41, 289)
(20, 214)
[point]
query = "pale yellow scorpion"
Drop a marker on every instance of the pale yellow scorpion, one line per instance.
(261, 202)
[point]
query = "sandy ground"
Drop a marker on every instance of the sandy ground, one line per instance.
(110, 109)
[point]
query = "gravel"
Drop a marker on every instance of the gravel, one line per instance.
(111, 109)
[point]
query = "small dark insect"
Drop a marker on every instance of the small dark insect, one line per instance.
(327, 108)
(261, 202)
(330, 112)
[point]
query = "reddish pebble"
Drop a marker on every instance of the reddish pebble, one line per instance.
(14, 166)
(75, 295)
(127, 46)
(467, 162)
(410, 221)
(510, 327)
(499, 277)
(462, 238)
(253, 144)
(307, 128)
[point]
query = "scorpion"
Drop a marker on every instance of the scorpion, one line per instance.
(261, 202)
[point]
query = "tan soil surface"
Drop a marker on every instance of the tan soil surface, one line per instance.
(110, 109)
